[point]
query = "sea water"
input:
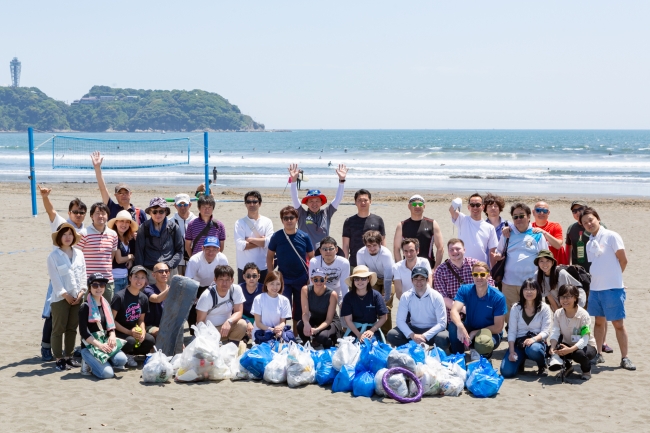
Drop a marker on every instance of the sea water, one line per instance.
(502, 161)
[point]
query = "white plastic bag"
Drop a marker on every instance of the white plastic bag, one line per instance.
(458, 371)
(201, 354)
(237, 372)
(379, 387)
(397, 383)
(276, 370)
(222, 367)
(429, 378)
(158, 369)
(300, 367)
(452, 385)
(346, 354)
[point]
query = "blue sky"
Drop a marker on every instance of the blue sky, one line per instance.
(360, 64)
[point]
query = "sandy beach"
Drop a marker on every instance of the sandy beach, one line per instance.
(36, 397)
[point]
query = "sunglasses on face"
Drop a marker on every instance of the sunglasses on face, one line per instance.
(158, 212)
(327, 250)
(318, 279)
(360, 278)
(98, 285)
(182, 205)
(417, 204)
(162, 271)
(251, 276)
(251, 201)
(480, 274)
(541, 210)
(578, 209)
(288, 218)
(79, 212)
(475, 205)
(518, 217)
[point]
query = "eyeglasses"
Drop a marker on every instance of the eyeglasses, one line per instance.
(78, 212)
(327, 250)
(529, 289)
(578, 209)
(158, 211)
(251, 276)
(360, 278)
(541, 210)
(318, 279)
(475, 205)
(162, 271)
(252, 201)
(518, 217)
(566, 297)
(480, 274)
(288, 218)
(98, 285)
(417, 204)
(182, 204)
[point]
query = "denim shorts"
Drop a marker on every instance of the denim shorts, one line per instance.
(609, 304)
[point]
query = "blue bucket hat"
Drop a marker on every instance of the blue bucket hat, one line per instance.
(314, 193)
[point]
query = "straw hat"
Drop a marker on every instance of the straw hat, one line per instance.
(77, 237)
(362, 271)
(123, 215)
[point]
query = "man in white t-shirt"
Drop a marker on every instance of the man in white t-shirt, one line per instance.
(402, 270)
(336, 268)
(252, 236)
(183, 217)
(200, 267)
(223, 305)
(479, 236)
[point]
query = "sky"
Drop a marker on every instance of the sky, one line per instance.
(355, 64)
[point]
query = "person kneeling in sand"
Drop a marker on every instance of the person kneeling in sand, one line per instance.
(485, 309)
(271, 310)
(156, 293)
(223, 305)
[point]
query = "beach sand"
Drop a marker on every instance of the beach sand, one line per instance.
(36, 397)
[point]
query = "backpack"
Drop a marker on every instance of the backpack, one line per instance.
(213, 293)
(580, 274)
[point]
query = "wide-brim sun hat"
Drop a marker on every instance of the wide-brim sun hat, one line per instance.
(123, 215)
(77, 236)
(546, 254)
(314, 193)
(362, 271)
(157, 202)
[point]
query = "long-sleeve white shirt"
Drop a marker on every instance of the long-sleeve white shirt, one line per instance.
(427, 311)
(66, 275)
(381, 264)
(541, 324)
(249, 228)
(317, 226)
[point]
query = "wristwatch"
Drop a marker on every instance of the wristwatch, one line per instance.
(230, 321)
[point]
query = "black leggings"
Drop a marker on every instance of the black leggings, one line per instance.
(326, 338)
(129, 347)
(47, 332)
(583, 357)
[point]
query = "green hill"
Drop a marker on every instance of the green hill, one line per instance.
(108, 109)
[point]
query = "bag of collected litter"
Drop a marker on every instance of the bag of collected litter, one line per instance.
(256, 359)
(429, 374)
(276, 370)
(483, 380)
(343, 380)
(438, 353)
(237, 372)
(346, 354)
(397, 383)
(401, 359)
(458, 358)
(451, 385)
(221, 369)
(158, 369)
(363, 384)
(300, 366)
(378, 356)
(379, 387)
(325, 372)
(414, 349)
(200, 355)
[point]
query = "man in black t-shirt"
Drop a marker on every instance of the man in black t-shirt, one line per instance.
(355, 226)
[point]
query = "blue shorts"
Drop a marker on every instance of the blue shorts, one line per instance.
(609, 304)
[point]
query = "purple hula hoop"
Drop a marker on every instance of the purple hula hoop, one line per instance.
(410, 375)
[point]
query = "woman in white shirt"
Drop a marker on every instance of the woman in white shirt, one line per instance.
(528, 329)
(271, 310)
(551, 278)
(67, 269)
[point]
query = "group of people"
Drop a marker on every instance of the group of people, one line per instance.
(110, 278)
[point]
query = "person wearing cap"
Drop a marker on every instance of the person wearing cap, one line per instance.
(252, 236)
(355, 226)
(126, 229)
(99, 245)
(528, 329)
(156, 294)
(129, 307)
(203, 226)
(122, 194)
(320, 323)
(76, 214)
(363, 308)
(315, 220)
(485, 310)
(336, 268)
(550, 278)
(101, 350)
(493, 205)
(200, 268)
(421, 315)
(182, 218)
(402, 270)
(479, 236)
(551, 231)
(159, 239)
(67, 270)
(425, 230)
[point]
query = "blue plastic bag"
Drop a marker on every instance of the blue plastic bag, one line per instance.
(364, 356)
(483, 380)
(415, 350)
(458, 358)
(378, 357)
(437, 352)
(343, 380)
(363, 384)
(256, 359)
(325, 373)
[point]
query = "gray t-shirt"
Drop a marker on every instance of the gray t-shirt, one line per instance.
(563, 278)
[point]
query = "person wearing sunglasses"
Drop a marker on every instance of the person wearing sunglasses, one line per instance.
(292, 249)
(485, 308)
(363, 308)
(315, 220)
(251, 287)
(156, 293)
(551, 231)
(76, 214)
(252, 236)
(159, 239)
(425, 230)
(524, 244)
(183, 217)
(480, 237)
(529, 327)
(320, 324)
(336, 268)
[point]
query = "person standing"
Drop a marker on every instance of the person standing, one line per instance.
(182, 218)
(214, 174)
(479, 236)
(126, 230)
(493, 205)
(551, 231)
(355, 226)
(203, 226)
(607, 292)
(316, 219)
(425, 230)
(402, 270)
(252, 236)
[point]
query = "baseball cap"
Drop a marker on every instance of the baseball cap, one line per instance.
(483, 342)
(419, 270)
(122, 185)
(138, 269)
(181, 198)
(97, 276)
(318, 272)
(211, 241)
(416, 197)
(579, 202)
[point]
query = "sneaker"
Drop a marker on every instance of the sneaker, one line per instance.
(599, 359)
(73, 362)
(130, 361)
(627, 364)
(541, 372)
(46, 354)
(568, 371)
(61, 365)
(586, 376)
(474, 355)
(607, 349)
(85, 368)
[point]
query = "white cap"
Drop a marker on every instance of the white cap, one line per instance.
(182, 198)
(416, 197)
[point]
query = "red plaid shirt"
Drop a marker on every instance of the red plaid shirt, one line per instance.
(445, 282)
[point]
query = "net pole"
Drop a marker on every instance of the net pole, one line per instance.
(206, 154)
(32, 170)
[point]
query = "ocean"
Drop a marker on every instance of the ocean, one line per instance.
(601, 162)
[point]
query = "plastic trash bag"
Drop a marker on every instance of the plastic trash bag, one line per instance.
(458, 358)
(158, 369)
(378, 356)
(237, 372)
(429, 376)
(438, 353)
(276, 370)
(483, 380)
(379, 386)
(300, 367)
(221, 369)
(400, 359)
(451, 385)
(363, 385)
(346, 354)
(343, 380)
(256, 359)
(201, 354)
(397, 383)
(325, 372)
(415, 350)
